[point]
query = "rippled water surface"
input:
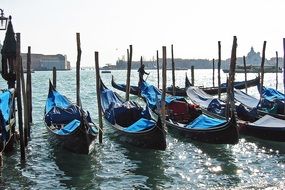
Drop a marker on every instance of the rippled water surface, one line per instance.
(252, 163)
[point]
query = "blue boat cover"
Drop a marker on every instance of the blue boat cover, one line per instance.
(246, 114)
(271, 94)
(205, 122)
(69, 128)
(140, 125)
(59, 110)
(128, 114)
(109, 99)
(153, 95)
(59, 115)
(5, 105)
(55, 99)
(5, 112)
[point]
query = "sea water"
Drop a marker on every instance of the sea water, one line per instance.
(250, 164)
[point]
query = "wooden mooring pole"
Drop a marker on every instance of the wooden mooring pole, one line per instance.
(130, 55)
(230, 89)
(54, 77)
(157, 68)
(164, 65)
(284, 67)
(276, 69)
(19, 102)
(26, 119)
(78, 101)
(219, 69)
(29, 92)
(262, 69)
(192, 75)
(173, 71)
(245, 73)
(213, 72)
(98, 81)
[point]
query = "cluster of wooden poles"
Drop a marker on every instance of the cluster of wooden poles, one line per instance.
(24, 89)
(23, 93)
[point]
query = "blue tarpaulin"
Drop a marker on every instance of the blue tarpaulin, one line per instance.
(272, 94)
(205, 122)
(153, 95)
(140, 125)
(59, 115)
(69, 128)
(5, 111)
(127, 114)
(5, 104)
(55, 99)
(109, 98)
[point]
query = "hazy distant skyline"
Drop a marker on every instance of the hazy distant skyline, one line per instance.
(110, 26)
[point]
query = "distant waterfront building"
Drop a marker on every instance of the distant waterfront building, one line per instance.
(253, 58)
(40, 62)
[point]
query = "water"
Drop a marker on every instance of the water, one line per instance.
(251, 164)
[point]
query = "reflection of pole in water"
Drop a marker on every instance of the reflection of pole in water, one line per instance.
(149, 163)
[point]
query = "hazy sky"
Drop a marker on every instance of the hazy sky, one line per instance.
(110, 26)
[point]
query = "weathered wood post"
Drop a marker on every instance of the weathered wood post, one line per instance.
(29, 91)
(213, 72)
(219, 69)
(78, 101)
(98, 83)
(262, 69)
(192, 75)
(276, 69)
(164, 64)
(23, 88)
(230, 89)
(173, 71)
(245, 73)
(284, 67)
(54, 77)
(141, 60)
(157, 68)
(19, 105)
(130, 54)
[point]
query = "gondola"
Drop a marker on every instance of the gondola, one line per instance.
(182, 91)
(217, 107)
(7, 120)
(250, 123)
(209, 104)
(69, 126)
(257, 107)
(132, 124)
(134, 90)
(186, 120)
(267, 127)
(237, 85)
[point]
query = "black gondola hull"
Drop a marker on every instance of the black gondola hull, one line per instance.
(226, 134)
(266, 133)
(134, 90)
(78, 142)
(151, 139)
